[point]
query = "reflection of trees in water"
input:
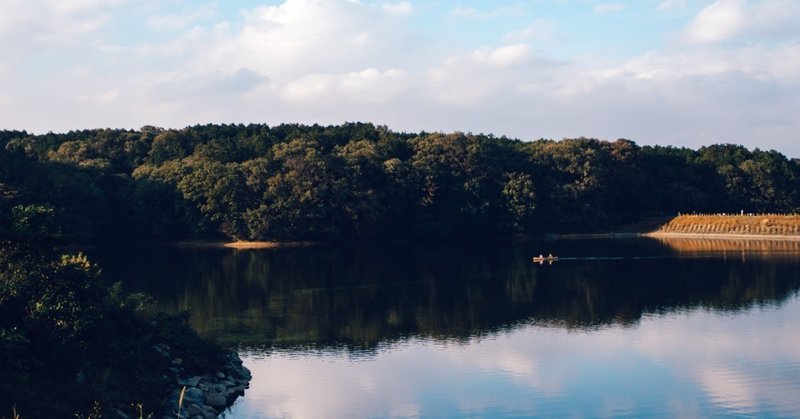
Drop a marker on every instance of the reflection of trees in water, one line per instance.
(360, 297)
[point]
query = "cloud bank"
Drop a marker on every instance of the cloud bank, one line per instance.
(714, 71)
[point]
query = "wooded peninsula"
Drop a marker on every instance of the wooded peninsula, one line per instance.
(361, 181)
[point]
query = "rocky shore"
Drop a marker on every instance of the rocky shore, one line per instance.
(205, 396)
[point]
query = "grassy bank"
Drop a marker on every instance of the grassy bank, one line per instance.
(773, 225)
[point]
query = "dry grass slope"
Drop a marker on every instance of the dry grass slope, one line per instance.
(760, 225)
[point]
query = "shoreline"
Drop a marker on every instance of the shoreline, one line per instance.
(245, 245)
(238, 245)
(256, 245)
(732, 236)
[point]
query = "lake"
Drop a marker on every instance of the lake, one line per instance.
(615, 328)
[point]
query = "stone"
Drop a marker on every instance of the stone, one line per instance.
(177, 361)
(220, 374)
(190, 382)
(216, 400)
(193, 395)
(194, 410)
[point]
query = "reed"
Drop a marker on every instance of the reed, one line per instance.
(180, 401)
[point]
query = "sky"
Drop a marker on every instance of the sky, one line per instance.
(669, 72)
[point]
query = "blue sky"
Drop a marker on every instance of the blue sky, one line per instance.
(672, 72)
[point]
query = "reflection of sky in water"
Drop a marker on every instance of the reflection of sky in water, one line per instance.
(695, 363)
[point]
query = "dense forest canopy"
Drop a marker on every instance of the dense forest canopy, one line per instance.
(359, 180)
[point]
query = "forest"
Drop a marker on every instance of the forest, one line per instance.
(362, 181)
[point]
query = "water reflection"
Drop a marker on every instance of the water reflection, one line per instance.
(615, 328)
(695, 363)
(362, 296)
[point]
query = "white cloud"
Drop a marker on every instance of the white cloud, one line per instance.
(478, 75)
(400, 8)
(725, 20)
(736, 79)
(104, 98)
(609, 7)
(540, 29)
(366, 86)
(671, 5)
(717, 22)
(472, 13)
(302, 37)
(502, 56)
(180, 21)
(66, 28)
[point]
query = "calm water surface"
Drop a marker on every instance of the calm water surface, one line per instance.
(638, 328)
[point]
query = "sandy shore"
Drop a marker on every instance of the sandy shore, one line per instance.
(242, 245)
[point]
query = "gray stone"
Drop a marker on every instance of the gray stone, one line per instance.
(193, 395)
(216, 400)
(220, 374)
(190, 382)
(194, 410)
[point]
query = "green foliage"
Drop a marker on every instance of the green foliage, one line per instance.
(67, 340)
(358, 180)
(521, 200)
(32, 220)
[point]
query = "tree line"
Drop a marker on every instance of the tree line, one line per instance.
(361, 181)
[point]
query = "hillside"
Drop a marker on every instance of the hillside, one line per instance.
(361, 181)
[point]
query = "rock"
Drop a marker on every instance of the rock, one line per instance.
(190, 382)
(216, 400)
(194, 410)
(177, 361)
(220, 374)
(193, 395)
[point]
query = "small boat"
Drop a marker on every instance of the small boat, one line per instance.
(542, 259)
